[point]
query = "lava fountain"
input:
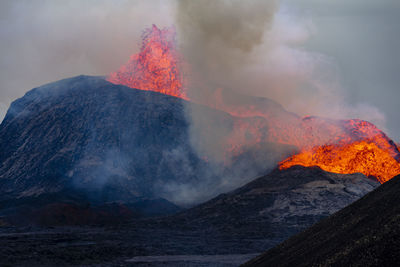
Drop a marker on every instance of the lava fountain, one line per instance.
(156, 67)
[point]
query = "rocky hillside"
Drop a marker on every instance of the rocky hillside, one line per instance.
(366, 233)
(278, 205)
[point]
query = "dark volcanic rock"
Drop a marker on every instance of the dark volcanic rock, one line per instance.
(85, 133)
(278, 205)
(245, 221)
(366, 233)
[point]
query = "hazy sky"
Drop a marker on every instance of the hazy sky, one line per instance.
(363, 39)
(46, 40)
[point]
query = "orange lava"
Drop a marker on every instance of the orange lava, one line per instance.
(358, 157)
(155, 67)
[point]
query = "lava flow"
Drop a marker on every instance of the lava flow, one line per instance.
(156, 67)
(359, 157)
(369, 151)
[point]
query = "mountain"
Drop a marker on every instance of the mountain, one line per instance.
(366, 233)
(85, 140)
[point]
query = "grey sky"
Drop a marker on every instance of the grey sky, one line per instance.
(363, 39)
(43, 41)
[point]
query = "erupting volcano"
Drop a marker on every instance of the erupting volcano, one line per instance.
(339, 146)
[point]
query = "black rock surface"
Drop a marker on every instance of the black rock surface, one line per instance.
(366, 233)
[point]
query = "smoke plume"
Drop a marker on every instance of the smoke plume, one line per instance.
(258, 48)
(218, 37)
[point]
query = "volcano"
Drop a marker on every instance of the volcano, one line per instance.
(83, 149)
(104, 141)
(121, 148)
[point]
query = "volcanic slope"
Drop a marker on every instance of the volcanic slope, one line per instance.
(87, 133)
(366, 233)
(86, 139)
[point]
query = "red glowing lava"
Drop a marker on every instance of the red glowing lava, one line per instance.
(155, 67)
(364, 149)
(358, 157)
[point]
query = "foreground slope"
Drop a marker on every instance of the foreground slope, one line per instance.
(366, 233)
(245, 221)
(278, 205)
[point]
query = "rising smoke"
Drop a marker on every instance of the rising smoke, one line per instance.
(258, 48)
(218, 37)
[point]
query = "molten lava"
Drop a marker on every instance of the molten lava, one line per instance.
(364, 157)
(155, 67)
